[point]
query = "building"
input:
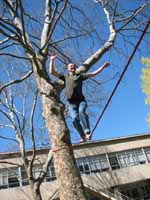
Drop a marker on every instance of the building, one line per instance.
(111, 169)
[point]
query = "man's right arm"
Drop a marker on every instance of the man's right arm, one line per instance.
(52, 66)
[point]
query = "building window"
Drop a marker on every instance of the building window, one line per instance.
(113, 161)
(9, 178)
(3, 179)
(36, 171)
(140, 156)
(83, 165)
(24, 177)
(147, 153)
(98, 163)
(51, 174)
(13, 177)
(127, 158)
(93, 164)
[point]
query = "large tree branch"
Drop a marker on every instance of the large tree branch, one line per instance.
(19, 24)
(9, 3)
(107, 45)
(47, 23)
(53, 22)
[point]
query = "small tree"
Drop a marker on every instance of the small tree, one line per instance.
(21, 122)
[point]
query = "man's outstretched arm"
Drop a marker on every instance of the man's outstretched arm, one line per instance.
(99, 70)
(52, 66)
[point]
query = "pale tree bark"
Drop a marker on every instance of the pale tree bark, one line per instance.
(71, 186)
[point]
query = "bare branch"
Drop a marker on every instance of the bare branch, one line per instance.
(32, 129)
(68, 38)
(22, 22)
(57, 18)
(13, 37)
(18, 23)
(8, 138)
(7, 115)
(10, 163)
(9, 3)
(65, 58)
(107, 45)
(6, 27)
(9, 45)
(5, 40)
(131, 17)
(6, 126)
(14, 56)
(16, 81)
(45, 167)
(47, 23)
(53, 24)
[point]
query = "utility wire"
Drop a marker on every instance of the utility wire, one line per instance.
(122, 74)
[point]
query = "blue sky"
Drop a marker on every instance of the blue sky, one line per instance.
(127, 112)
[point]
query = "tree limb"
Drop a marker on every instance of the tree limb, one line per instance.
(16, 81)
(5, 40)
(131, 17)
(57, 18)
(45, 167)
(8, 138)
(47, 23)
(107, 45)
(53, 24)
(10, 163)
(19, 24)
(32, 130)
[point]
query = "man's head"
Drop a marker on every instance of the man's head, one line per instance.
(71, 67)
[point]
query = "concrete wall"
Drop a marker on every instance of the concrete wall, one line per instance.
(118, 177)
(111, 146)
(24, 193)
(100, 180)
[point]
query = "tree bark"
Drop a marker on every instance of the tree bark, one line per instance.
(69, 179)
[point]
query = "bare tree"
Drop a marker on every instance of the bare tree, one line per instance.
(35, 37)
(22, 125)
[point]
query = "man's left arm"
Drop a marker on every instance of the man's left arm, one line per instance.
(99, 70)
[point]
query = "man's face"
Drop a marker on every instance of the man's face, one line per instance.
(71, 67)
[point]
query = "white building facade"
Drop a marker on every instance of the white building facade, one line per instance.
(111, 169)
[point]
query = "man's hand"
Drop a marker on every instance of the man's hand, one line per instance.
(53, 56)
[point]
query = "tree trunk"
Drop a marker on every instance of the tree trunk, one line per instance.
(70, 183)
